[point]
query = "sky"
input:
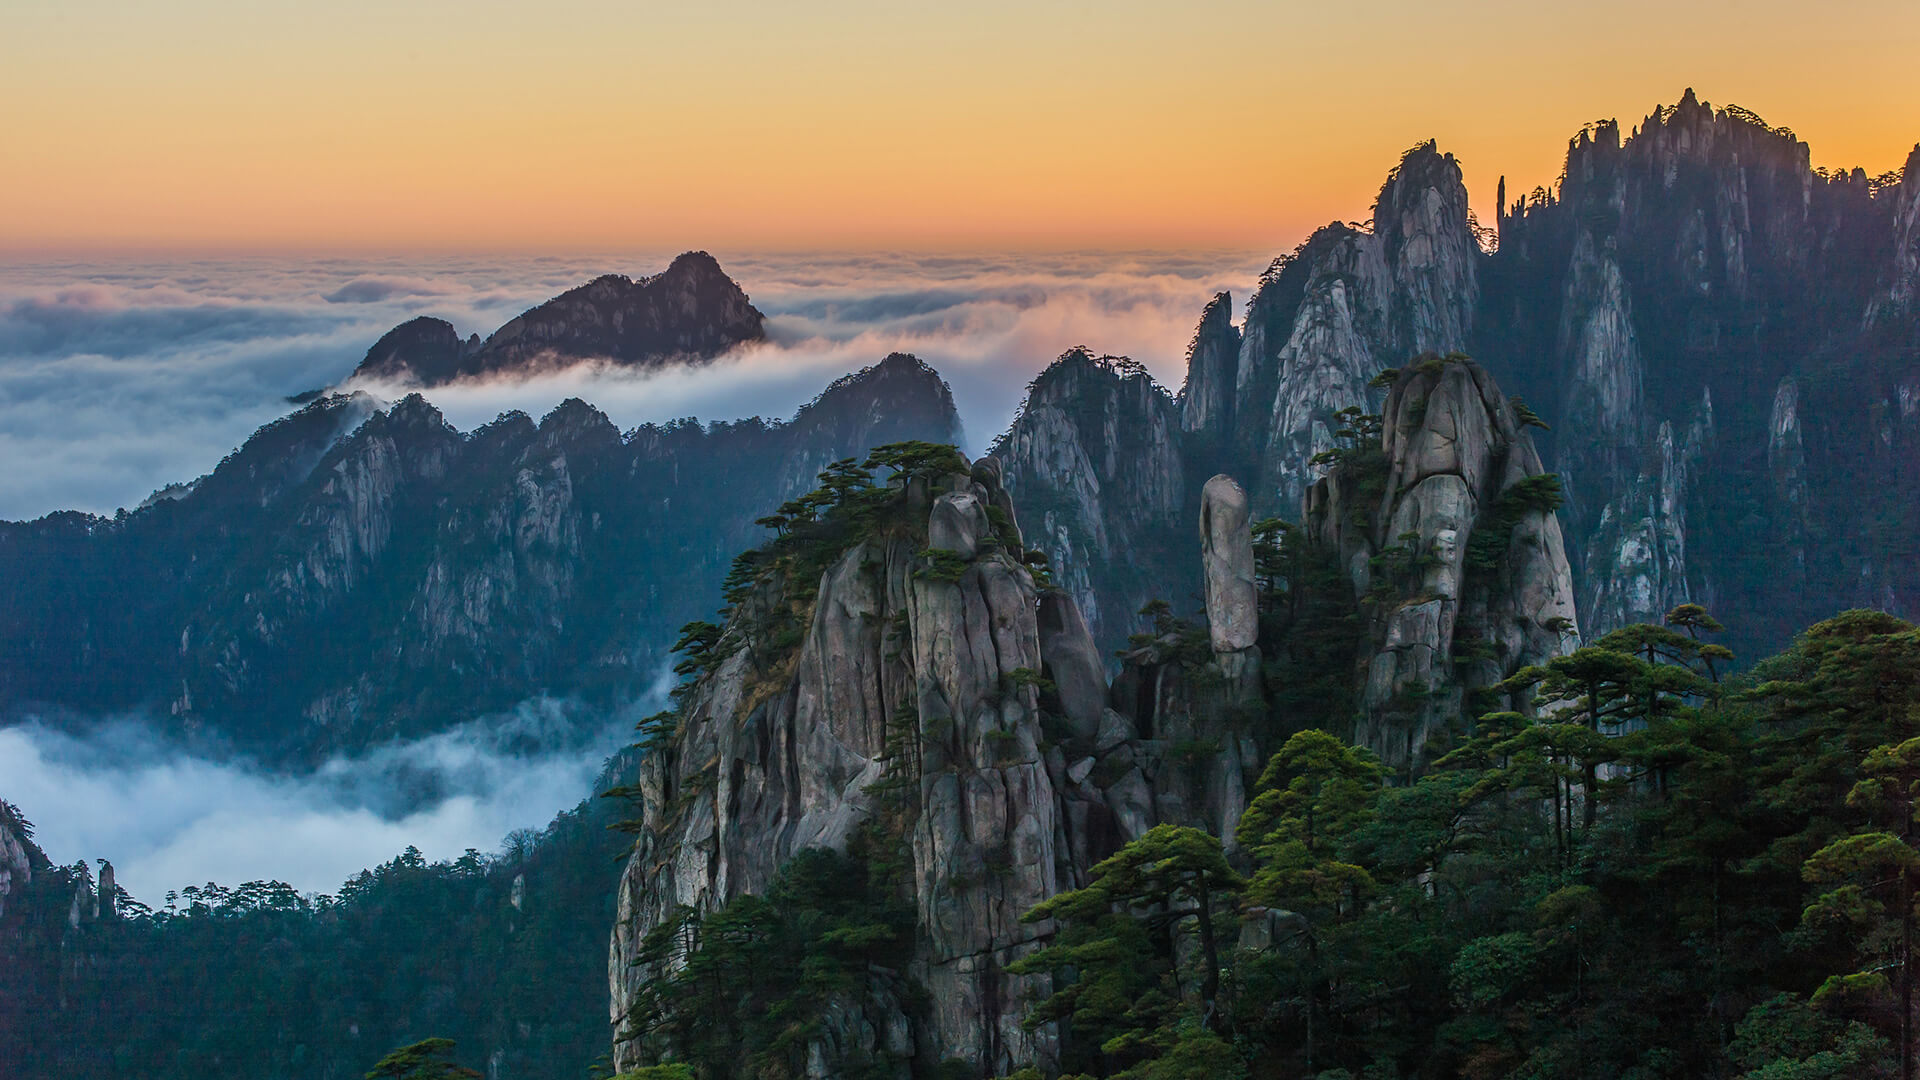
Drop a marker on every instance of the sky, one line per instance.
(409, 125)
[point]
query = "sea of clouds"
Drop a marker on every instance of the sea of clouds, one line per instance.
(118, 377)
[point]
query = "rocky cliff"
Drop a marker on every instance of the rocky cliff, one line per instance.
(1449, 538)
(1347, 303)
(1095, 460)
(903, 664)
(17, 854)
(1110, 468)
(1724, 339)
(359, 571)
(891, 676)
(940, 698)
(691, 311)
(1675, 300)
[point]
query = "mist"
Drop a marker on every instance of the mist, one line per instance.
(117, 379)
(168, 816)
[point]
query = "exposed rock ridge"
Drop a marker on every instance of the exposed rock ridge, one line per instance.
(16, 847)
(1904, 285)
(1208, 398)
(425, 350)
(1017, 786)
(1226, 556)
(758, 770)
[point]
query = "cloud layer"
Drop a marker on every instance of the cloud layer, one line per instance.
(118, 378)
(168, 817)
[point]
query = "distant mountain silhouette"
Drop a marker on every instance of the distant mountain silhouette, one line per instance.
(691, 311)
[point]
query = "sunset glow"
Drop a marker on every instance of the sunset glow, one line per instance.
(592, 124)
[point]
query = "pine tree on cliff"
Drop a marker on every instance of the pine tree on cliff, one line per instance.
(424, 1060)
(1316, 792)
(1126, 934)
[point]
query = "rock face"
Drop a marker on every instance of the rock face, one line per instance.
(764, 766)
(1213, 366)
(16, 868)
(1904, 284)
(1072, 663)
(909, 713)
(1652, 305)
(691, 311)
(1226, 558)
(1013, 786)
(359, 572)
(1094, 459)
(1681, 275)
(1111, 470)
(1345, 305)
(1454, 549)
(958, 524)
(1656, 301)
(910, 709)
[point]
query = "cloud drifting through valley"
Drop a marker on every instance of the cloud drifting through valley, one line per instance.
(168, 816)
(118, 378)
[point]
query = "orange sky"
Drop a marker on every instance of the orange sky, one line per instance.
(585, 124)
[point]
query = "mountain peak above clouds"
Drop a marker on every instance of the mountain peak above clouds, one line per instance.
(689, 312)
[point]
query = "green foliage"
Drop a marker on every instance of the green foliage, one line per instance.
(1525, 416)
(675, 1071)
(424, 1060)
(1358, 457)
(742, 990)
(1654, 873)
(1493, 534)
(257, 979)
(1022, 677)
(700, 641)
(1137, 992)
(1645, 868)
(775, 584)
(906, 461)
(943, 566)
(1310, 627)
(1783, 1038)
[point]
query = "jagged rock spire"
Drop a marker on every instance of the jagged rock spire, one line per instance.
(1213, 360)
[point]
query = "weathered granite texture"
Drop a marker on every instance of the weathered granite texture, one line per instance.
(1456, 460)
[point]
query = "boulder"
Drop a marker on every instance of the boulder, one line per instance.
(958, 523)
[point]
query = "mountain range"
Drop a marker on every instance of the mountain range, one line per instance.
(1721, 341)
(1363, 627)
